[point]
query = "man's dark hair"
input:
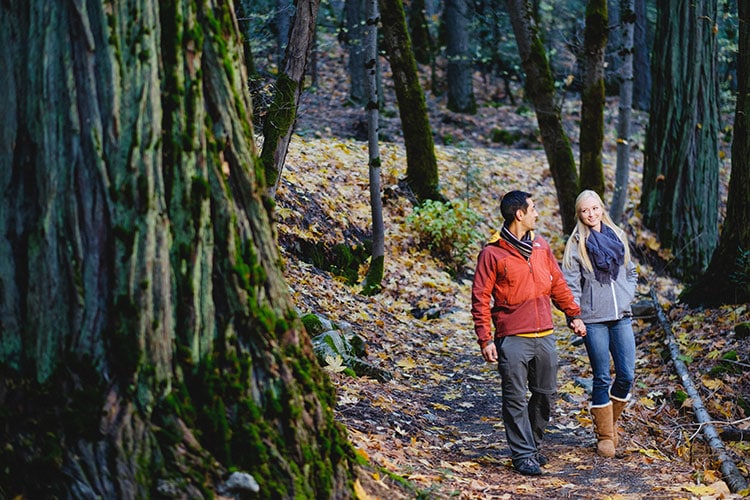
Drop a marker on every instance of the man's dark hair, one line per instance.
(512, 202)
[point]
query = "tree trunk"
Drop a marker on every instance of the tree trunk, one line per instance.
(460, 65)
(592, 96)
(421, 163)
(424, 46)
(625, 51)
(354, 38)
(540, 88)
(282, 115)
(641, 58)
(148, 341)
(730, 263)
(284, 12)
(680, 198)
(374, 276)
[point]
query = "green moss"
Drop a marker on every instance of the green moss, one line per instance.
(312, 324)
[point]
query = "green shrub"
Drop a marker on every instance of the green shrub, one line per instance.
(741, 274)
(447, 230)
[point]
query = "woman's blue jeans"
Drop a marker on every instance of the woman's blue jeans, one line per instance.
(615, 338)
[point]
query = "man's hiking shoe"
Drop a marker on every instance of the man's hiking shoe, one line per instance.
(542, 459)
(528, 467)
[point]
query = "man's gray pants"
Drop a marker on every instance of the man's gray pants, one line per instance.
(525, 364)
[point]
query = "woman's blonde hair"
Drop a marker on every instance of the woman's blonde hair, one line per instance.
(582, 231)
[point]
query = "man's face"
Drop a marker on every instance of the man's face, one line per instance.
(528, 219)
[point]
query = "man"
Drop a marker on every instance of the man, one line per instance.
(516, 276)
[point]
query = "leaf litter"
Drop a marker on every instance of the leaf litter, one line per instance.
(437, 424)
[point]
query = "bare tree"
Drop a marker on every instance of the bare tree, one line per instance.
(457, 19)
(374, 276)
(540, 88)
(282, 115)
(622, 172)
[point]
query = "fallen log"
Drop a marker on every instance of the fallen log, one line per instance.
(735, 434)
(732, 476)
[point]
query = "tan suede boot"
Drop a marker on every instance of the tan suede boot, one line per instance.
(603, 428)
(617, 406)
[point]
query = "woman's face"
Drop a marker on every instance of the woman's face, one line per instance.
(590, 213)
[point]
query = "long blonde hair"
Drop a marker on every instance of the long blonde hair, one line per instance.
(581, 233)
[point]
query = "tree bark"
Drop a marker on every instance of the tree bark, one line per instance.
(641, 58)
(730, 263)
(147, 339)
(355, 43)
(372, 282)
(422, 42)
(680, 198)
(460, 65)
(540, 88)
(625, 51)
(282, 116)
(592, 96)
(421, 163)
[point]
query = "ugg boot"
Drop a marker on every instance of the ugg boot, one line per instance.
(603, 428)
(617, 406)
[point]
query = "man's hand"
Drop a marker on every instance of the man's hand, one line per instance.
(578, 327)
(489, 353)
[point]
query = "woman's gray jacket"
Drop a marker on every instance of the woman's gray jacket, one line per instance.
(600, 303)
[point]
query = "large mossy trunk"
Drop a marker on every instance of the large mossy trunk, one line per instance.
(680, 198)
(730, 263)
(147, 341)
(540, 88)
(421, 162)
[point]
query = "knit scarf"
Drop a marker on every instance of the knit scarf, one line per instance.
(607, 254)
(523, 245)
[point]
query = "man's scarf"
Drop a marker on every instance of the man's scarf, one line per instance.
(523, 245)
(607, 254)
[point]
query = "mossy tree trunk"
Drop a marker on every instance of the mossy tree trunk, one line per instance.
(147, 339)
(592, 96)
(540, 89)
(421, 163)
(680, 196)
(727, 279)
(282, 115)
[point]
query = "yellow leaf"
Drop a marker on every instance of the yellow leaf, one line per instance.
(699, 490)
(359, 491)
(651, 453)
(712, 383)
(439, 406)
(407, 363)
(335, 364)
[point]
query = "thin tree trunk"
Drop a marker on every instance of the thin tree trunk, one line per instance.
(680, 197)
(421, 163)
(148, 342)
(730, 263)
(592, 96)
(282, 115)
(374, 276)
(540, 88)
(622, 171)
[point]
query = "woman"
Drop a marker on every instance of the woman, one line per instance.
(599, 272)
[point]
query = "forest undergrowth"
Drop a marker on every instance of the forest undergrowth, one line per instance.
(435, 431)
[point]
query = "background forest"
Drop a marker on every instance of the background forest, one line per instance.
(237, 242)
(417, 327)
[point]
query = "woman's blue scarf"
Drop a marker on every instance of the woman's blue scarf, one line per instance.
(607, 254)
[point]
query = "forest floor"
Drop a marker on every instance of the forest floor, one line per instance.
(434, 430)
